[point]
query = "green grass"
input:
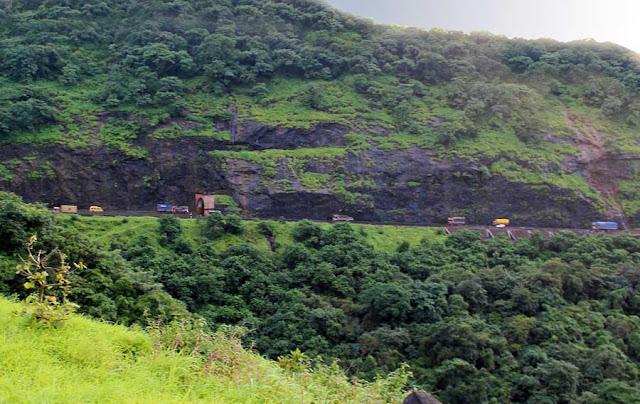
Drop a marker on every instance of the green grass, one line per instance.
(388, 238)
(175, 131)
(124, 231)
(7, 169)
(226, 200)
(315, 181)
(120, 134)
(43, 135)
(85, 361)
(272, 159)
(283, 105)
(518, 174)
(383, 238)
(630, 193)
(208, 107)
(104, 230)
(271, 155)
(619, 136)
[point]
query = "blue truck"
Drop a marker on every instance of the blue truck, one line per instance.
(604, 226)
(165, 208)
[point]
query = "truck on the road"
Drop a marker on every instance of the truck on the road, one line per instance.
(456, 221)
(341, 218)
(604, 226)
(501, 222)
(68, 209)
(161, 208)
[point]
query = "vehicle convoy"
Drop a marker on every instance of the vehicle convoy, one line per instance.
(173, 209)
(456, 221)
(604, 226)
(341, 218)
(68, 209)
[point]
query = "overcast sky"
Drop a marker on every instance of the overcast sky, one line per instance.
(565, 20)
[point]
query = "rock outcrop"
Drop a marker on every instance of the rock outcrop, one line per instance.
(370, 183)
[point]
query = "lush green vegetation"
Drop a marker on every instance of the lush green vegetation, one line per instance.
(536, 321)
(91, 72)
(525, 322)
(115, 232)
(86, 361)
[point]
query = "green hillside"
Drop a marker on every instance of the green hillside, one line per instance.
(498, 321)
(374, 120)
(91, 362)
(289, 110)
(120, 231)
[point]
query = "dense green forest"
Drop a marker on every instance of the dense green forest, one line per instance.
(160, 56)
(531, 321)
(64, 61)
(122, 75)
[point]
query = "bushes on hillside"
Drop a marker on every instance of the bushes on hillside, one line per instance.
(216, 225)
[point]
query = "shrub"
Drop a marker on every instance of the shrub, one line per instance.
(307, 232)
(217, 225)
(50, 282)
(170, 229)
(266, 228)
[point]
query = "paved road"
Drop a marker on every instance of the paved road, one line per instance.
(130, 213)
(514, 233)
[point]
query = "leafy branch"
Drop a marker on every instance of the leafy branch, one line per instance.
(46, 279)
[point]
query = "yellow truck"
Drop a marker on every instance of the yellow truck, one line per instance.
(95, 209)
(501, 222)
(68, 209)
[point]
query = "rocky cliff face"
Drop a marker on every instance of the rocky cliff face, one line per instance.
(372, 184)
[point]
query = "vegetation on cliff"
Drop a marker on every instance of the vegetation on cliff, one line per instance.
(116, 74)
(525, 322)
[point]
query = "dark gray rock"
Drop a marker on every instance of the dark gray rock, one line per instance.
(420, 397)
(409, 185)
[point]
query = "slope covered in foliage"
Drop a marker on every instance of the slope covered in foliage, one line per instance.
(86, 361)
(213, 83)
(532, 321)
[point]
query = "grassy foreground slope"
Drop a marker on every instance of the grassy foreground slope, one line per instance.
(91, 362)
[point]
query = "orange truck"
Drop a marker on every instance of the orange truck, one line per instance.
(501, 222)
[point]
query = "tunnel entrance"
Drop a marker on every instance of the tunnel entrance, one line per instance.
(204, 203)
(200, 206)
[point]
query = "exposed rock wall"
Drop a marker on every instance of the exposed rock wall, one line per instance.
(397, 185)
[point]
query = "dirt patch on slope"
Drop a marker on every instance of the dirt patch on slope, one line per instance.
(599, 170)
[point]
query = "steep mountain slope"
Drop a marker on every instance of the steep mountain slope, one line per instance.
(298, 110)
